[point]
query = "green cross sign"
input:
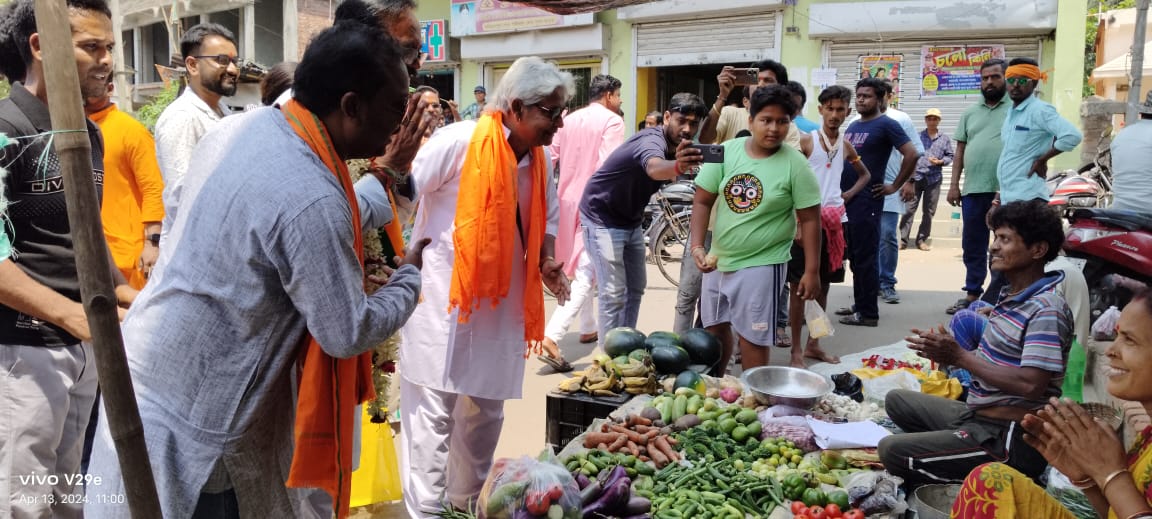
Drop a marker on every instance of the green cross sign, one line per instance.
(433, 40)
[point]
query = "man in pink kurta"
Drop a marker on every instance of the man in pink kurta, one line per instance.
(589, 135)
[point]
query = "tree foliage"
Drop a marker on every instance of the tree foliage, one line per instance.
(1095, 7)
(149, 113)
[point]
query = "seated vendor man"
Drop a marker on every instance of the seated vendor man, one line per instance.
(1017, 367)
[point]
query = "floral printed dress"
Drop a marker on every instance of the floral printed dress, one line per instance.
(997, 491)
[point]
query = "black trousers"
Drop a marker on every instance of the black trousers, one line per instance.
(944, 440)
(930, 194)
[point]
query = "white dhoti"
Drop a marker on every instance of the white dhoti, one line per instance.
(580, 302)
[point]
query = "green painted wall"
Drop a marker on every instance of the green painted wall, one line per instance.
(801, 54)
(620, 61)
(1066, 74)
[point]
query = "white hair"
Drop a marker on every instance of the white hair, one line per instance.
(531, 79)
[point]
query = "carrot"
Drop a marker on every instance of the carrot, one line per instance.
(620, 441)
(642, 429)
(594, 439)
(661, 444)
(636, 437)
(633, 447)
(659, 458)
(652, 433)
(636, 419)
(672, 441)
(643, 458)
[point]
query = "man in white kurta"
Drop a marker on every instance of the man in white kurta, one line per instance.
(445, 361)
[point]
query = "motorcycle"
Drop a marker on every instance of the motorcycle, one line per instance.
(1090, 186)
(1109, 243)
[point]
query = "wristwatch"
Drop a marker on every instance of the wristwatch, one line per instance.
(154, 238)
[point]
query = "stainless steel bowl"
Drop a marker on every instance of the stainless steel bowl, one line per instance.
(781, 385)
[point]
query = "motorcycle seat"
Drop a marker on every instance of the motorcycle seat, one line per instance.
(1129, 220)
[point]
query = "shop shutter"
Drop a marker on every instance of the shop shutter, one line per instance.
(734, 39)
(844, 58)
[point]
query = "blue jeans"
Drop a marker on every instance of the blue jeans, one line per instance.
(974, 239)
(889, 250)
(621, 274)
(863, 240)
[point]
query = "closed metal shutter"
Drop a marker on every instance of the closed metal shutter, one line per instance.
(731, 39)
(845, 59)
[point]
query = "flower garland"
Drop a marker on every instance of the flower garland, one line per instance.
(385, 354)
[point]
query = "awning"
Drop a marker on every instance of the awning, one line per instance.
(1119, 66)
(578, 6)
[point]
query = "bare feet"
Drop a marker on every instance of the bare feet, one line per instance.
(798, 360)
(551, 348)
(813, 351)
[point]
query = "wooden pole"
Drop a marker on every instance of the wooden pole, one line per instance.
(92, 265)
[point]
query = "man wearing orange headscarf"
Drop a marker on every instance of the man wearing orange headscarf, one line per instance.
(220, 331)
(487, 200)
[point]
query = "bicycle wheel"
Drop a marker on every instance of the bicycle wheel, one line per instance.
(669, 246)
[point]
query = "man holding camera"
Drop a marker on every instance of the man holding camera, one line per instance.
(724, 122)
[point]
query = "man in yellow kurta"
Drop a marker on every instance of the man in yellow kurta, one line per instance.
(133, 206)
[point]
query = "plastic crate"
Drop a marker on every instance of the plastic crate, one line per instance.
(569, 414)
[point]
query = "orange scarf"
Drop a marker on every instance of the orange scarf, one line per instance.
(393, 229)
(330, 388)
(486, 227)
(1027, 71)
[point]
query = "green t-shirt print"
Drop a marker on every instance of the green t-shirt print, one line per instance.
(756, 204)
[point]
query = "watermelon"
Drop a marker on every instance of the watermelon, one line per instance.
(702, 347)
(656, 339)
(691, 380)
(640, 355)
(670, 359)
(622, 341)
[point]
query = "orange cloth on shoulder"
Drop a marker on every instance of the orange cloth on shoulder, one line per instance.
(486, 227)
(330, 387)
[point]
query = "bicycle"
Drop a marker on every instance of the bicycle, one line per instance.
(668, 238)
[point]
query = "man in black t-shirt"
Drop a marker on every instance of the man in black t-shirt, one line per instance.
(49, 374)
(613, 207)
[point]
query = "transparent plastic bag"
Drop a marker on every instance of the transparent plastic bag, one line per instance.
(819, 325)
(527, 487)
(1104, 329)
(875, 389)
(1069, 496)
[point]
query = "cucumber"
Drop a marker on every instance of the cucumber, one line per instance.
(679, 407)
(694, 404)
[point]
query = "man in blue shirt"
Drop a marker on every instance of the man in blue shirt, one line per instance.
(874, 136)
(929, 175)
(800, 96)
(1033, 133)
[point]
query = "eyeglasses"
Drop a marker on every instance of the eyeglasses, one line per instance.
(1021, 81)
(221, 59)
(554, 113)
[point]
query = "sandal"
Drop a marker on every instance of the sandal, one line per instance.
(783, 340)
(961, 304)
(559, 365)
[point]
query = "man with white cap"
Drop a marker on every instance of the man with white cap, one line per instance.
(1131, 154)
(927, 179)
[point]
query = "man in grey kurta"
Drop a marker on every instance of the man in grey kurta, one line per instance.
(264, 255)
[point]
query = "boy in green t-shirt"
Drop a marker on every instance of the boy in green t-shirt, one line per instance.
(762, 188)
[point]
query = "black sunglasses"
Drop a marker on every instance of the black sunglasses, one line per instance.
(554, 113)
(221, 59)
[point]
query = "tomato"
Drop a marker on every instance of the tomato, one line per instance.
(854, 514)
(833, 511)
(803, 515)
(817, 512)
(798, 507)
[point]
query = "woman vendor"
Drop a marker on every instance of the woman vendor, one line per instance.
(1086, 450)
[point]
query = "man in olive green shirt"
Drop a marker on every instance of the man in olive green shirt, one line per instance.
(978, 148)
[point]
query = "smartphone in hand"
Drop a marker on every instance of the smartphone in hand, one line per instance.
(746, 76)
(713, 153)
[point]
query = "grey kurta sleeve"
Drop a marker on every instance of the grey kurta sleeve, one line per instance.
(323, 278)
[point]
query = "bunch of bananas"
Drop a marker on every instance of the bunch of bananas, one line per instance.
(608, 378)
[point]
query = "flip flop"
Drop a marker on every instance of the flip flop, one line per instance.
(783, 340)
(559, 365)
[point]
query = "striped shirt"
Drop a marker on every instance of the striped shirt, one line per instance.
(1029, 329)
